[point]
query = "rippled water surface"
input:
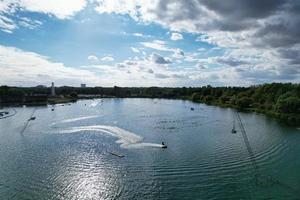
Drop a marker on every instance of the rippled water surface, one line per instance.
(66, 153)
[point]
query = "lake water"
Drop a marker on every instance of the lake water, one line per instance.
(65, 153)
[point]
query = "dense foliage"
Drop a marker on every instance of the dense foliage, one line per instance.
(278, 99)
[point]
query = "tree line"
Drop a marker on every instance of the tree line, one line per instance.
(278, 99)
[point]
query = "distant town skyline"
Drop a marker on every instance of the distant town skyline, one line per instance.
(149, 42)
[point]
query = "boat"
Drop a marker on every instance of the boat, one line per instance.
(4, 113)
(32, 118)
(163, 145)
(192, 108)
(233, 128)
(116, 154)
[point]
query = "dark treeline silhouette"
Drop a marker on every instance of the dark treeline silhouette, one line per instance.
(281, 100)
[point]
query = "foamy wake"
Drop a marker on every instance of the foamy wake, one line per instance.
(126, 139)
(95, 103)
(74, 119)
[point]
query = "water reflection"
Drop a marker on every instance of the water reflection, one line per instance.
(63, 154)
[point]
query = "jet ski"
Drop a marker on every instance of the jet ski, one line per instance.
(233, 128)
(163, 145)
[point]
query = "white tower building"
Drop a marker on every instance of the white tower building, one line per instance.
(53, 89)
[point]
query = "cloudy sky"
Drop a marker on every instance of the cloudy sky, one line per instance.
(149, 42)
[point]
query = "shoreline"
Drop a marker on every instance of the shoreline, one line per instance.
(288, 119)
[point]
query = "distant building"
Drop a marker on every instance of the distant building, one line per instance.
(83, 85)
(53, 89)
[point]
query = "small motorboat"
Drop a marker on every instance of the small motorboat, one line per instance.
(192, 108)
(163, 145)
(32, 118)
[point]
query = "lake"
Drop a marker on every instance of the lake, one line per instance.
(71, 152)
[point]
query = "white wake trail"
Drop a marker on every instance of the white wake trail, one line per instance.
(74, 119)
(126, 138)
(95, 103)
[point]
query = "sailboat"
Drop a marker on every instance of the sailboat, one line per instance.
(233, 128)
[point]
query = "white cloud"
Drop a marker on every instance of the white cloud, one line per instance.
(27, 68)
(178, 54)
(246, 41)
(162, 46)
(135, 50)
(62, 9)
(201, 66)
(7, 24)
(107, 59)
(191, 58)
(130, 7)
(201, 49)
(93, 58)
(271, 27)
(176, 36)
(28, 23)
(157, 45)
(150, 71)
(163, 76)
(138, 34)
(158, 59)
(24, 68)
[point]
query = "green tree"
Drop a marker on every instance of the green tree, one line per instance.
(196, 96)
(244, 102)
(288, 104)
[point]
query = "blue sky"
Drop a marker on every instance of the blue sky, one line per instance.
(145, 43)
